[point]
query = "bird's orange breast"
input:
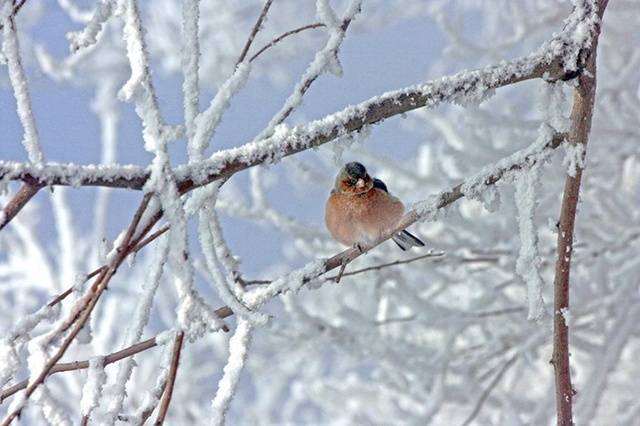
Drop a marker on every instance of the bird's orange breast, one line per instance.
(363, 217)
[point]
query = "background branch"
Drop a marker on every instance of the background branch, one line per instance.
(581, 116)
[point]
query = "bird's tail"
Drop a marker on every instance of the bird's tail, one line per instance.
(405, 240)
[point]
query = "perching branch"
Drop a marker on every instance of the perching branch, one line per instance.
(581, 116)
(422, 211)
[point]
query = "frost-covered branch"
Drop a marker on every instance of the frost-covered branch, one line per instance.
(285, 141)
(18, 79)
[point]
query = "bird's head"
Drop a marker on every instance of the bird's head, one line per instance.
(353, 179)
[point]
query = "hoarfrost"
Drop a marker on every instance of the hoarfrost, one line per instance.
(528, 258)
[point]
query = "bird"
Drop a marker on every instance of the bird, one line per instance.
(360, 209)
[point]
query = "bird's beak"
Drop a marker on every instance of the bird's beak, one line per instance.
(360, 183)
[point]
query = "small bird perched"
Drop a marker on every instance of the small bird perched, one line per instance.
(360, 209)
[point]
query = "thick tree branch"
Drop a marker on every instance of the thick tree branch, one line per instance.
(581, 117)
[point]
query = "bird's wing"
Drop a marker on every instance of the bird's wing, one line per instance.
(377, 183)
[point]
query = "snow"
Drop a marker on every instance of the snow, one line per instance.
(89, 36)
(10, 345)
(71, 174)
(190, 64)
(92, 389)
(207, 122)
(152, 397)
(574, 158)
(292, 281)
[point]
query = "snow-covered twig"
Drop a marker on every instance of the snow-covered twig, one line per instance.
(89, 35)
(287, 142)
(238, 351)
(92, 389)
(190, 64)
(13, 12)
(18, 79)
(115, 393)
(326, 59)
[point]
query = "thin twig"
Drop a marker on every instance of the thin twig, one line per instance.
(19, 200)
(581, 116)
(254, 31)
(282, 115)
(386, 265)
(488, 390)
(138, 246)
(283, 36)
(168, 387)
